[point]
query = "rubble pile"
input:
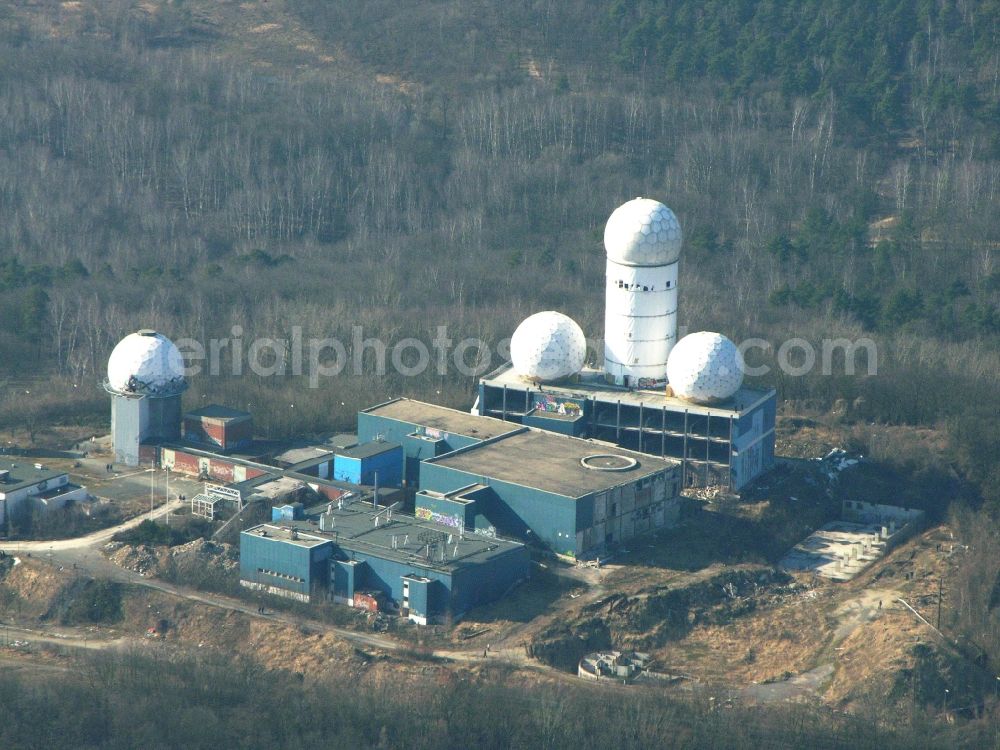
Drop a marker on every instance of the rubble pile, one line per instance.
(141, 559)
(205, 552)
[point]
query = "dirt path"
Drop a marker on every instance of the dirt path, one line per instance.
(90, 540)
(861, 610)
(852, 614)
(68, 638)
(801, 685)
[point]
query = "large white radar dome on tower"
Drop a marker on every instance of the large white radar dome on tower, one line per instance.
(705, 367)
(146, 362)
(643, 232)
(548, 346)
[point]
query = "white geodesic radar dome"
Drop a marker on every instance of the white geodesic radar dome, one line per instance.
(548, 346)
(146, 362)
(705, 367)
(643, 232)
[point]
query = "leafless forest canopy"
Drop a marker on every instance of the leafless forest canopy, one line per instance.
(835, 166)
(213, 700)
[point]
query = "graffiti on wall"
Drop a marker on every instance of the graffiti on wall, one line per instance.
(552, 405)
(432, 433)
(426, 514)
(650, 384)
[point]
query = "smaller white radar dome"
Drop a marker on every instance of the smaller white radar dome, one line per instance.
(643, 232)
(705, 367)
(548, 346)
(146, 362)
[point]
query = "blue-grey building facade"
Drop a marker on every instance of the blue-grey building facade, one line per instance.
(356, 554)
(575, 497)
(284, 563)
(376, 461)
(424, 431)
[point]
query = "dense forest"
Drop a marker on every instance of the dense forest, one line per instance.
(835, 167)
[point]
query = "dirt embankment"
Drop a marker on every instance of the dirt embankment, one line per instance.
(40, 595)
(37, 593)
(652, 617)
(29, 587)
(190, 625)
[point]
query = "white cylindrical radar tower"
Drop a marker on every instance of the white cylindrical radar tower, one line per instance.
(145, 380)
(643, 242)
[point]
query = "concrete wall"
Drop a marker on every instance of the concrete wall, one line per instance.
(34, 489)
(574, 427)
(860, 511)
(622, 513)
(753, 444)
(129, 420)
(134, 420)
(74, 494)
(218, 468)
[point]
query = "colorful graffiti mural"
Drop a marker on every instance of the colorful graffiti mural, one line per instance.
(432, 433)
(426, 514)
(552, 405)
(650, 384)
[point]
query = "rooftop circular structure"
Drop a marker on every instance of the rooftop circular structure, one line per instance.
(548, 346)
(608, 462)
(705, 367)
(146, 363)
(643, 232)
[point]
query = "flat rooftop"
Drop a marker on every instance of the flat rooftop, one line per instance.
(24, 475)
(552, 463)
(288, 533)
(343, 440)
(295, 456)
(441, 418)
(278, 488)
(592, 385)
(367, 450)
(217, 411)
(354, 530)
